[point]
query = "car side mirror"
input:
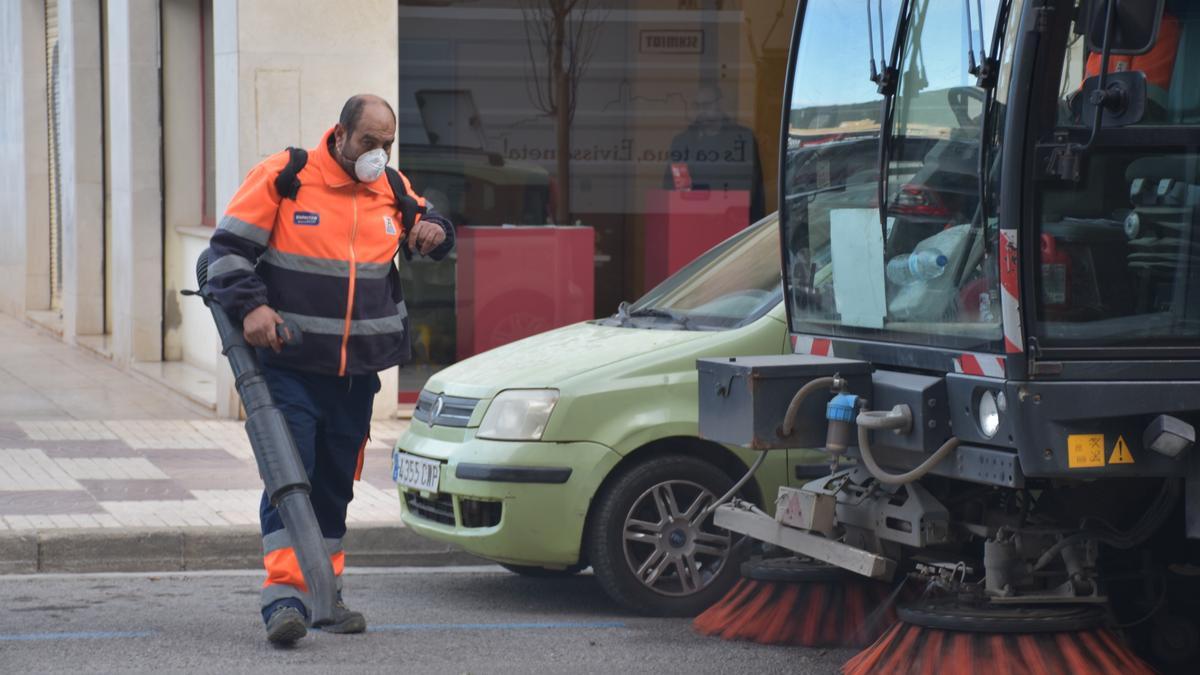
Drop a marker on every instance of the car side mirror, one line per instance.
(1123, 98)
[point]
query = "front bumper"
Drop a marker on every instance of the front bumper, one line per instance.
(522, 503)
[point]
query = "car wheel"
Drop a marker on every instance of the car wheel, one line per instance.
(649, 546)
(542, 572)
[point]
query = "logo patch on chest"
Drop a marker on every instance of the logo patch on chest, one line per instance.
(389, 225)
(306, 218)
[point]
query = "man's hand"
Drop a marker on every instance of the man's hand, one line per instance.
(426, 236)
(259, 328)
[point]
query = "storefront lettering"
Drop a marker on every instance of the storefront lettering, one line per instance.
(625, 150)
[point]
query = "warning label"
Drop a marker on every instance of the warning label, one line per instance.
(1120, 452)
(1085, 451)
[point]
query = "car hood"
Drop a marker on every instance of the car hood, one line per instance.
(548, 359)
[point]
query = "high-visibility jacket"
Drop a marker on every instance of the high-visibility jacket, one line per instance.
(323, 260)
(1157, 64)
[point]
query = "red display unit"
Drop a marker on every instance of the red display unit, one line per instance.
(682, 224)
(514, 282)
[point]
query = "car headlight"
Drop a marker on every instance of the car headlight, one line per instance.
(989, 413)
(518, 415)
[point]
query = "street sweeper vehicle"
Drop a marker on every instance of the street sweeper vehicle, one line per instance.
(990, 229)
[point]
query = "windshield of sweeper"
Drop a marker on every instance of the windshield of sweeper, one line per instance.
(926, 273)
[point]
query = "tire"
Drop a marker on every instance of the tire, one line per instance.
(535, 572)
(681, 571)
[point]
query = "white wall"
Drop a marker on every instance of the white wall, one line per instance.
(24, 167)
(136, 180)
(82, 167)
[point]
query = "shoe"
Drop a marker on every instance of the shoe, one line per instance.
(345, 620)
(286, 626)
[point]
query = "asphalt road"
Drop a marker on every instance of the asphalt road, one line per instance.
(422, 620)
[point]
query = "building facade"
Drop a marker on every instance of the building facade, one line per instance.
(126, 125)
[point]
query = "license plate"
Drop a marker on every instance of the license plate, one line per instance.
(416, 472)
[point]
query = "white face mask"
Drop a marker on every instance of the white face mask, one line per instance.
(369, 165)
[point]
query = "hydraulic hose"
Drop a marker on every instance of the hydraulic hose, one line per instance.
(1154, 516)
(869, 421)
(793, 409)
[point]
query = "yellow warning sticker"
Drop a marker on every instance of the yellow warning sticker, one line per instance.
(1085, 450)
(1120, 453)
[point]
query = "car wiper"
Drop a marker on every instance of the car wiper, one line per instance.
(986, 71)
(622, 315)
(655, 312)
(886, 81)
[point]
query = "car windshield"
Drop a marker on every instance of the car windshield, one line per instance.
(731, 285)
(927, 274)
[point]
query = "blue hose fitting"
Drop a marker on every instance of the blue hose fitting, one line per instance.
(840, 412)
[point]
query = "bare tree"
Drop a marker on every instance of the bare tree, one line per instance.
(561, 36)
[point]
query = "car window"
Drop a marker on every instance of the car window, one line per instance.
(731, 285)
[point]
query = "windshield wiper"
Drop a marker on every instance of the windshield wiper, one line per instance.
(886, 81)
(986, 72)
(655, 312)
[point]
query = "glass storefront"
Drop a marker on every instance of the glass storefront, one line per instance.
(667, 112)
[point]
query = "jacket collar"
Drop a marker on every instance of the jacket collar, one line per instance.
(332, 172)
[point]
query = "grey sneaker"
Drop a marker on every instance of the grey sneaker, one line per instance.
(345, 620)
(286, 626)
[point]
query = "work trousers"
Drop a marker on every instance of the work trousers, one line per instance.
(330, 420)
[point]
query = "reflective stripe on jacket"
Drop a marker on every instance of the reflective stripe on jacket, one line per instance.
(324, 261)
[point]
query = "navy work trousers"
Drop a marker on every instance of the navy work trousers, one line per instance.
(330, 418)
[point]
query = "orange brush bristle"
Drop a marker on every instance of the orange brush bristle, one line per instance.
(908, 648)
(943, 637)
(800, 604)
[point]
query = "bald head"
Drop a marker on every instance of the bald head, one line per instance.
(356, 106)
(367, 122)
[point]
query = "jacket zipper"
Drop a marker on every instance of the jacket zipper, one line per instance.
(350, 293)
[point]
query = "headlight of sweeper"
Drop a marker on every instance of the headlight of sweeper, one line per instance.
(518, 415)
(989, 414)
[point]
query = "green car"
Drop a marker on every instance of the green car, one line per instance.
(579, 446)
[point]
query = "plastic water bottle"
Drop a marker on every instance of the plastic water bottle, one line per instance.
(922, 265)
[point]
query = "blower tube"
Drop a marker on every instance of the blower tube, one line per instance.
(279, 463)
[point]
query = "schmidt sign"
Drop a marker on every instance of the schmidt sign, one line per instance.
(672, 42)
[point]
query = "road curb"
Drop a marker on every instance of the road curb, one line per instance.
(202, 548)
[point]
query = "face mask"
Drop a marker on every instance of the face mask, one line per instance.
(369, 165)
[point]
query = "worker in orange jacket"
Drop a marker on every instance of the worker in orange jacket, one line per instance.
(309, 243)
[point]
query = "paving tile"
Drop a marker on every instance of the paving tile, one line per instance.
(32, 469)
(67, 430)
(87, 449)
(206, 468)
(46, 502)
(111, 468)
(163, 513)
(178, 434)
(372, 505)
(239, 507)
(135, 490)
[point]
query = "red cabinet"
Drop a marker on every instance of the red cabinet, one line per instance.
(514, 282)
(680, 225)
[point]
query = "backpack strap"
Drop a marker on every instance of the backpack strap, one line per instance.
(287, 183)
(410, 209)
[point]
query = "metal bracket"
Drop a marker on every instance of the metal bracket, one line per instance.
(764, 528)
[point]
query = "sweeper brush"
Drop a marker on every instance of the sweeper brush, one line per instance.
(791, 601)
(1009, 641)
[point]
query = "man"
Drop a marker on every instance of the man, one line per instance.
(322, 260)
(716, 153)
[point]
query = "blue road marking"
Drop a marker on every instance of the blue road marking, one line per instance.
(498, 626)
(84, 635)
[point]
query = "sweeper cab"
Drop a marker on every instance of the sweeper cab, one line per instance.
(991, 257)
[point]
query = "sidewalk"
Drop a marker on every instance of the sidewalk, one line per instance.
(101, 471)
